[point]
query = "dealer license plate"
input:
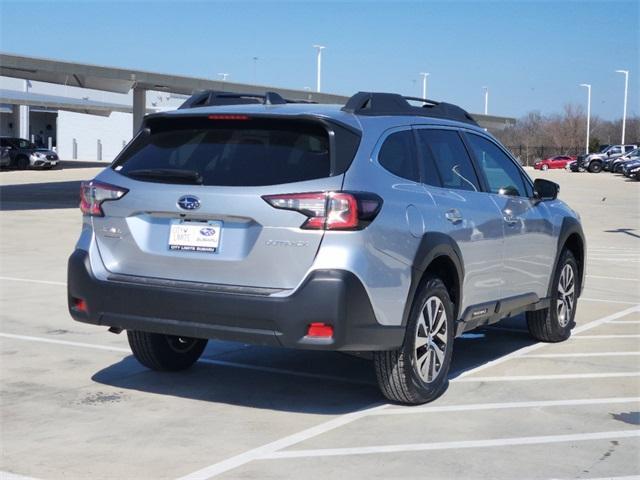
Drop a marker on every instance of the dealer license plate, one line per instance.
(195, 236)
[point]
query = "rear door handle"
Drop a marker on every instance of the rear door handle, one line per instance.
(453, 216)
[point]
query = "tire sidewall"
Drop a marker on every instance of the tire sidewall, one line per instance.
(595, 167)
(428, 391)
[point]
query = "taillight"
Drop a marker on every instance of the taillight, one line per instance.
(330, 210)
(93, 194)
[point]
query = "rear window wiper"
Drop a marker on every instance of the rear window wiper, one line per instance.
(189, 177)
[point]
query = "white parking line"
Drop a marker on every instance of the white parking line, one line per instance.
(268, 449)
(603, 337)
(602, 300)
(536, 346)
(629, 322)
(507, 405)
(563, 376)
(614, 278)
(13, 476)
(418, 447)
(209, 361)
(581, 355)
(28, 280)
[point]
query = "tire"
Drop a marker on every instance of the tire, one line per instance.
(165, 352)
(554, 324)
(545, 167)
(398, 373)
(595, 167)
(22, 163)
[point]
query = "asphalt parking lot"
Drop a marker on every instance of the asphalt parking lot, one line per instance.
(76, 405)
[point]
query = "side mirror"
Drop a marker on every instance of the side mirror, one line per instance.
(545, 190)
(608, 154)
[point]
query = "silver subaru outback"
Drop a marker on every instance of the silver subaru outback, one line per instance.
(388, 225)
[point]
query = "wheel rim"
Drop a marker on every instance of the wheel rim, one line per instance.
(181, 344)
(430, 346)
(566, 295)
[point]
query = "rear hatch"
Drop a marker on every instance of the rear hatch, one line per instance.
(194, 210)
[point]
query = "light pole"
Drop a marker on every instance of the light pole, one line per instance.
(319, 71)
(224, 76)
(588, 87)
(624, 110)
(486, 100)
(424, 84)
(255, 69)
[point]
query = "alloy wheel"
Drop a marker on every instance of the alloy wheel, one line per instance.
(430, 346)
(566, 295)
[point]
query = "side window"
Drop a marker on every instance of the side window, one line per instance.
(397, 155)
(450, 157)
(502, 174)
(428, 163)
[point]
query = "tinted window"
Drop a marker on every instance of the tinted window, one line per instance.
(397, 155)
(501, 172)
(232, 153)
(25, 144)
(451, 158)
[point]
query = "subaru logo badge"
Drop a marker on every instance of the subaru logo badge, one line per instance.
(189, 202)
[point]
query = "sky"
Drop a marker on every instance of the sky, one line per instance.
(531, 55)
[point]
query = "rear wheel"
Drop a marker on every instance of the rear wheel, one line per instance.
(595, 167)
(165, 352)
(417, 372)
(554, 324)
(22, 163)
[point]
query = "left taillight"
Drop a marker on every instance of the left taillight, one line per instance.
(330, 210)
(93, 194)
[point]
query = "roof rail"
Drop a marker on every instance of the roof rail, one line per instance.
(379, 104)
(209, 98)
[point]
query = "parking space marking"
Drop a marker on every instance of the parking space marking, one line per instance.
(628, 322)
(580, 355)
(600, 300)
(536, 346)
(14, 476)
(210, 361)
(601, 337)
(627, 279)
(29, 280)
(563, 376)
(506, 405)
(268, 449)
(418, 447)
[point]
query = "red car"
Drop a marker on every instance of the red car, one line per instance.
(559, 161)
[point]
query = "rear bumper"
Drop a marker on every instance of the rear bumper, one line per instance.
(335, 297)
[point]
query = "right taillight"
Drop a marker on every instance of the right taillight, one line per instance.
(330, 210)
(93, 194)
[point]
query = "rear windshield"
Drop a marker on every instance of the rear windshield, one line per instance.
(251, 152)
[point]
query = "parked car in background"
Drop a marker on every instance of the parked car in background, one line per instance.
(23, 154)
(594, 162)
(615, 165)
(630, 168)
(559, 161)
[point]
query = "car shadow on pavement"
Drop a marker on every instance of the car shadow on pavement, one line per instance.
(40, 196)
(302, 383)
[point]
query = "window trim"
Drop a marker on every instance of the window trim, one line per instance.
(482, 187)
(523, 174)
(375, 154)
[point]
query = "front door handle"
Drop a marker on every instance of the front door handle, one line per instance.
(453, 216)
(510, 218)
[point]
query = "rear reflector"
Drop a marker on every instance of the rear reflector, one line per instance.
(330, 210)
(320, 330)
(80, 305)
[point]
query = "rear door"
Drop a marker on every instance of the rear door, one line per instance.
(195, 212)
(465, 213)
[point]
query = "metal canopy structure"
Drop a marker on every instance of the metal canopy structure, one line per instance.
(92, 107)
(123, 80)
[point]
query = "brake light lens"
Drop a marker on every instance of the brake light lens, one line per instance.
(93, 194)
(330, 210)
(225, 116)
